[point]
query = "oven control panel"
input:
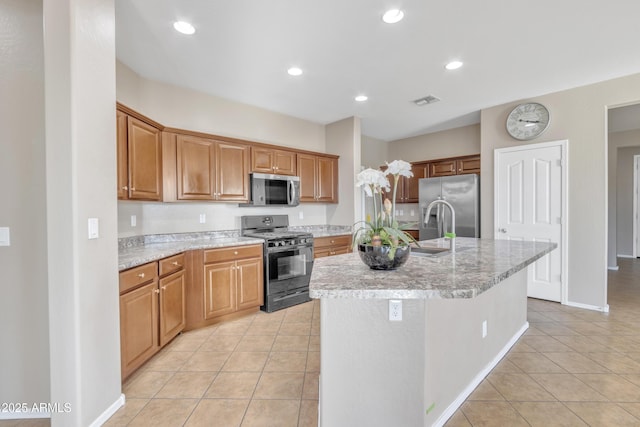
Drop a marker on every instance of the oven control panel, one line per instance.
(290, 242)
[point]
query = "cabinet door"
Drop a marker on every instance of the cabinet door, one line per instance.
(411, 185)
(250, 283)
(172, 306)
(262, 160)
(138, 326)
(284, 162)
(442, 168)
(469, 165)
(145, 160)
(307, 173)
(195, 168)
(231, 172)
(219, 289)
(121, 142)
(327, 175)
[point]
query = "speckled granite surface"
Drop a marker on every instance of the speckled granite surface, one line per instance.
(323, 230)
(478, 265)
(134, 251)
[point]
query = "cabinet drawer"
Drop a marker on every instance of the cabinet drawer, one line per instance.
(136, 276)
(321, 242)
(171, 264)
(232, 254)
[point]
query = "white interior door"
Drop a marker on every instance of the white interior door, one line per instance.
(636, 206)
(529, 205)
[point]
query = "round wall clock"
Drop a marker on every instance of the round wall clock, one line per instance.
(528, 121)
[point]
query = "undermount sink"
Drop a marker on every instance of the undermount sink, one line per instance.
(429, 251)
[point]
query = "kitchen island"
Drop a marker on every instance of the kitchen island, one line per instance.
(461, 312)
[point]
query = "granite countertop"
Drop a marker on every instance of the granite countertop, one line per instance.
(138, 250)
(149, 251)
(476, 266)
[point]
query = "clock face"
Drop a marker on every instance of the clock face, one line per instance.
(527, 121)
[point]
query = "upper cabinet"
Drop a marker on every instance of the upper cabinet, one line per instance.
(139, 153)
(268, 160)
(407, 191)
(455, 166)
(318, 178)
(205, 169)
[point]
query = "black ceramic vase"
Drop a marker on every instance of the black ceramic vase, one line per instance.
(377, 257)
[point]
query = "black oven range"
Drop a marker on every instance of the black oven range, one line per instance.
(288, 260)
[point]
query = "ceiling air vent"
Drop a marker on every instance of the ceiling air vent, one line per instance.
(429, 99)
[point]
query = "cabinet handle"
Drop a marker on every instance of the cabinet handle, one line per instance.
(175, 263)
(332, 253)
(141, 275)
(332, 241)
(164, 288)
(235, 252)
(125, 188)
(133, 189)
(157, 291)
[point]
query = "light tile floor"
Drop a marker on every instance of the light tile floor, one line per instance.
(573, 367)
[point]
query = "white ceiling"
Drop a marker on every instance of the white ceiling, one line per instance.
(512, 49)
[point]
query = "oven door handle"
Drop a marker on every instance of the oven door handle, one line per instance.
(288, 248)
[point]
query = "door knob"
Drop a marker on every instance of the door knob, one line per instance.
(502, 230)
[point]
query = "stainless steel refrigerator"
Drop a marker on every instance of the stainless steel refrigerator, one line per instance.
(463, 192)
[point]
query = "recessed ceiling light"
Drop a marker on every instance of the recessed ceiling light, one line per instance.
(453, 65)
(361, 98)
(392, 16)
(184, 27)
(294, 71)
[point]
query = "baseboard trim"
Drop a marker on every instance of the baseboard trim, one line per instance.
(625, 256)
(453, 407)
(614, 268)
(108, 412)
(604, 309)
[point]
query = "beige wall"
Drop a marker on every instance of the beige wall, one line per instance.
(183, 108)
(343, 139)
(578, 115)
(84, 332)
(24, 324)
(374, 152)
(448, 143)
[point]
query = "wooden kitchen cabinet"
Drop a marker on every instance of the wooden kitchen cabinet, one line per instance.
(152, 311)
(332, 245)
(230, 281)
(206, 169)
(268, 160)
(139, 154)
(318, 178)
(407, 191)
(454, 166)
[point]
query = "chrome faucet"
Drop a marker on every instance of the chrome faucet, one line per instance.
(452, 235)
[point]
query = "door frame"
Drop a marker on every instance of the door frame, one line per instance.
(636, 199)
(564, 217)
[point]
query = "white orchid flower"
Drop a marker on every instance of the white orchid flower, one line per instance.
(399, 167)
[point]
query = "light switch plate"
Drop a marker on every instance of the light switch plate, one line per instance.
(203, 218)
(5, 238)
(94, 228)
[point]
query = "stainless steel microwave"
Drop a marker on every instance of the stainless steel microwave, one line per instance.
(274, 190)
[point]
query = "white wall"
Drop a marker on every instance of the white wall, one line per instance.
(617, 140)
(84, 332)
(624, 196)
(183, 108)
(24, 318)
(460, 141)
(343, 139)
(374, 152)
(578, 115)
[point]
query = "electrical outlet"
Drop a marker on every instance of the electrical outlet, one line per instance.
(395, 310)
(5, 236)
(93, 228)
(301, 215)
(413, 213)
(484, 329)
(203, 218)
(134, 220)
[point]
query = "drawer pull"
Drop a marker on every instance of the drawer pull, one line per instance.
(175, 263)
(141, 275)
(333, 241)
(164, 288)
(157, 291)
(235, 252)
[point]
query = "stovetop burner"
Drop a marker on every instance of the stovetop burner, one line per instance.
(273, 227)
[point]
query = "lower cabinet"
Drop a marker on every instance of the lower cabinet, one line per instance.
(152, 309)
(231, 281)
(333, 245)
